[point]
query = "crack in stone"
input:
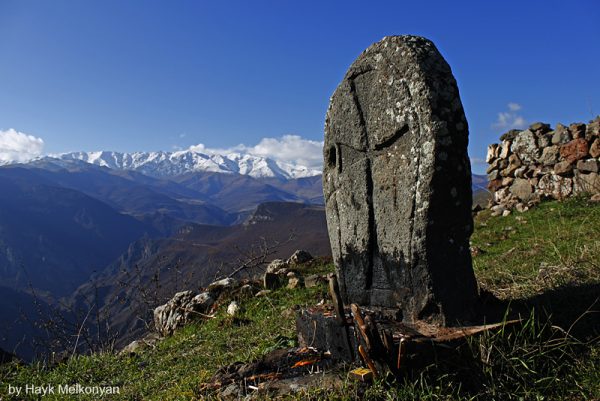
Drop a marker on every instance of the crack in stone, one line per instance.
(391, 140)
(372, 241)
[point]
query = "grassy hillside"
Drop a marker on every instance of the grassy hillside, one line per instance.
(543, 264)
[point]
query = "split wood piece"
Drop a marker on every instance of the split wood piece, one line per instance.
(401, 350)
(369, 333)
(405, 331)
(374, 346)
(360, 324)
(362, 374)
(463, 332)
(390, 350)
(388, 342)
(367, 359)
(379, 352)
(322, 331)
(377, 347)
(338, 304)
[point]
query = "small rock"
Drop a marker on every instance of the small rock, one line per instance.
(492, 153)
(563, 168)
(505, 149)
(262, 293)
(514, 160)
(540, 127)
(555, 186)
(497, 210)
(494, 175)
(224, 284)
(233, 308)
(202, 301)
(505, 213)
(575, 150)
(595, 148)
(247, 290)
(544, 140)
(521, 208)
(501, 195)
(295, 282)
(561, 135)
(586, 183)
(476, 251)
(231, 392)
(588, 166)
(509, 171)
(493, 166)
(510, 135)
(525, 146)
(180, 310)
(132, 348)
(520, 172)
(506, 181)
(314, 280)
(593, 130)
(271, 281)
(275, 265)
(549, 155)
(536, 171)
(522, 189)
(595, 198)
(577, 130)
(291, 274)
(300, 257)
(494, 185)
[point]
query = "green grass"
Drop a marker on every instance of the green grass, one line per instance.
(544, 263)
(178, 366)
(553, 245)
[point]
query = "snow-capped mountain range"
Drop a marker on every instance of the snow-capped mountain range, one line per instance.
(169, 164)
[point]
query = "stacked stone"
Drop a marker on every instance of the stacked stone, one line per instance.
(540, 162)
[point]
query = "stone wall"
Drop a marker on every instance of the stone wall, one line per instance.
(540, 163)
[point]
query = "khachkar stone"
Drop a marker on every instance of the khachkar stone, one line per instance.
(397, 183)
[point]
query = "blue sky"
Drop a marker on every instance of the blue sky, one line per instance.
(158, 75)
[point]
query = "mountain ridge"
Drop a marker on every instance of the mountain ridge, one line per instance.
(170, 164)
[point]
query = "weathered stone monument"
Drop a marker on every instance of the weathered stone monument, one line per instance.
(397, 184)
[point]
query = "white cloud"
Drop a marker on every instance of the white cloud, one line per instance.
(514, 106)
(510, 119)
(478, 161)
(19, 147)
(291, 149)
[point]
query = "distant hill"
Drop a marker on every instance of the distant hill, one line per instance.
(53, 238)
(243, 193)
(479, 182)
(480, 192)
(133, 193)
(197, 256)
(22, 318)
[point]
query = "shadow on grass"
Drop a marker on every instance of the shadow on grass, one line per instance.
(575, 309)
(548, 355)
